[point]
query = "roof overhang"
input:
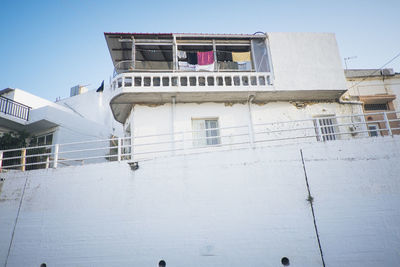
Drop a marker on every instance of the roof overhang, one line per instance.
(122, 102)
(15, 124)
(377, 99)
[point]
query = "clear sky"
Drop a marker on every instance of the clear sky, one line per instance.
(47, 47)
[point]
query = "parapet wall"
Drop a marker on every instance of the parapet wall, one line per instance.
(231, 208)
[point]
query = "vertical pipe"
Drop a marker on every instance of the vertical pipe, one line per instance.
(173, 99)
(132, 132)
(56, 148)
(251, 129)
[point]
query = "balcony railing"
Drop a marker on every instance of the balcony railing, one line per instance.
(192, 79)
(128, 66)
(136, 148)
(13, 108)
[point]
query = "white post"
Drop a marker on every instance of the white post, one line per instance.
(119, 149)
(364, 124)
(174, 54)
(1, 160)
(387, 124)
(47, 162)
(23, 159)
(250, 123)
(56, 148)
(319, 130)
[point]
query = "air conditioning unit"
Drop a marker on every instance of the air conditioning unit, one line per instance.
(387, 72)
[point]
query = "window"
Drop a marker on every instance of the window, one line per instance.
(44, 139)
(325, 128)
(205, 132)
(369, 107)
(373, 129)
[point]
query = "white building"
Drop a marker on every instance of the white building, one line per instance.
(78, 118)
(379, 91)
(248, 80)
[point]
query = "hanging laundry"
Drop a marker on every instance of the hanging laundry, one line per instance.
(229, 65)
(244, 65)
(224, 56)
(205, 58)
(191, 58)
(181, 54)
(209, 67)
(241, 56)
(183, 65)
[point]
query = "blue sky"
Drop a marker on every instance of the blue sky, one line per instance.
(49, 46)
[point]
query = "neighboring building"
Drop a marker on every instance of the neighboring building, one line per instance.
(379, 91)
(78, 118)
(169, 83)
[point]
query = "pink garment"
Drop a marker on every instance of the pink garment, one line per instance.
(205, 58)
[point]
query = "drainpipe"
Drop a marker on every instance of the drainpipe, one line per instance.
(132, 130)
(173, 99)
(251, 129)
(354, 103)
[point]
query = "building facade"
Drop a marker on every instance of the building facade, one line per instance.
(198, 84)
(378, 91)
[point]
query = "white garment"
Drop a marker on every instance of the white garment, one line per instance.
(209, 67)
(181, 54)
(244, 65)
(183, 65)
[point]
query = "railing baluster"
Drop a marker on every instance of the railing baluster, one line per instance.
(119, 149)
(56, 148)
(387, 124)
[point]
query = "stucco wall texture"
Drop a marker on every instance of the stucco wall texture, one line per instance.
(243, 207)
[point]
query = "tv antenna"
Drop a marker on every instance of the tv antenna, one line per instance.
(348, 58)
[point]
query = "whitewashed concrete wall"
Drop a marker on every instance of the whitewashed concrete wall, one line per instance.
(306, 61)
(237, 208)
(94, 106)
(152, 120)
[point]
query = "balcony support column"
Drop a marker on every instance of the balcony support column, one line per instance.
(175, 55)
(133, 55)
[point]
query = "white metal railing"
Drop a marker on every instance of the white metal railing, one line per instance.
(187, 142)
(190, 79)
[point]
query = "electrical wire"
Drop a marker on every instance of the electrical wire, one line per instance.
(375, 71)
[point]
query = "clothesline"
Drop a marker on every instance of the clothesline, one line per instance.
(191, 51)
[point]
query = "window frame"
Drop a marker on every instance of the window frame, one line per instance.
(205, 135)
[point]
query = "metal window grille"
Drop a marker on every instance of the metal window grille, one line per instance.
(369, 107)
(325, 129)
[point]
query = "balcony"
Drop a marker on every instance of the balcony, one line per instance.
(187, 87)
(13, 108)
